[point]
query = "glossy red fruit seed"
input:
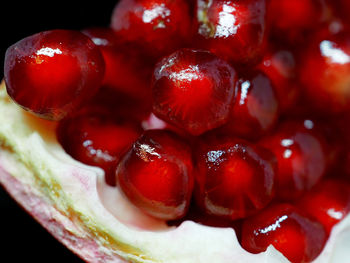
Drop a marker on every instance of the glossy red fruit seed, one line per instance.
(297, 237)
(290, 21)
(52, 73)
(328, 202)
(280, 66)
(235, 178)
(255, 110)
(194, 90)
(96, 138)
(160, 26)
(156, 174)
(325, 73)
(128, 68)
(301, 156)
(233, 30)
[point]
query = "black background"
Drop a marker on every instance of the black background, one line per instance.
(22, 238)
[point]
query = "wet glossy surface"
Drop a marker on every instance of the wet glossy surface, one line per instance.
(255, 110)
(297, 237)
(53, 72)
(128, 68)
(280, 66)
(328, 203)
(234, 30)
(156, 174)
(325, 73)
(301, 156)
(235, 178)
(193, 90)
(99, 139)
(160, 26)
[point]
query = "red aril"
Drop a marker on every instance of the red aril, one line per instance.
(234, 178)
(156, 174)
(96, 138)
(255, 110)
(52, 73)
(128, 68)
(328, 202)
(291, 21)
(280, 66)
(159, 26)
(301, 155)
(297, 237)
(193, 90)
(325, 73)
(233, 30)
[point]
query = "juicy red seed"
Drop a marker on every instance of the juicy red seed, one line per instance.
(292, 20)
(160, 26)
(301, 156)
(233, 30)
(193, 90)
(281, 67)
(327, 203)
(235, 178)
(325, 73)
(297, 237)
(156, 174)
(128, 68)
(53, 72)
(95, 138)
(256, 107)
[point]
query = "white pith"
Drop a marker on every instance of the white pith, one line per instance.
(72, 201)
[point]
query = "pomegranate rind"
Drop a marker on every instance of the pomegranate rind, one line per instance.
(63, 196)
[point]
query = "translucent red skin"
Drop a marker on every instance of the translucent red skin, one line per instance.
(159, 26)
(324, 73)
(54, 72)
(301, 153)
(193, 90)
(328, 202)
(291, 21)
(156, 174)
(233, 30)
(297, 237)
(128, 68)
(280, 65)
(98, 139)
(234, 178)
(255, 110)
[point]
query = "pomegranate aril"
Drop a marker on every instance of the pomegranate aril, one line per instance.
(54, 72)
(328, 202)
(128, 68)
(234, 178)
(296, 236)
(95, 138)
(300, 149)
(193, 90)
(325, 73)
(156, 174)
(280, 66)
(255, 110)
(233, 30)
(291, 21)
(159, 26)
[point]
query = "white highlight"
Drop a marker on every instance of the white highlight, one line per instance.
(336, 55)
(244, 92)
(47, 51)
(226, 25)
(274, 226)
(149, 15)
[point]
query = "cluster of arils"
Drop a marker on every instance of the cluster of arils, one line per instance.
(229, 113)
